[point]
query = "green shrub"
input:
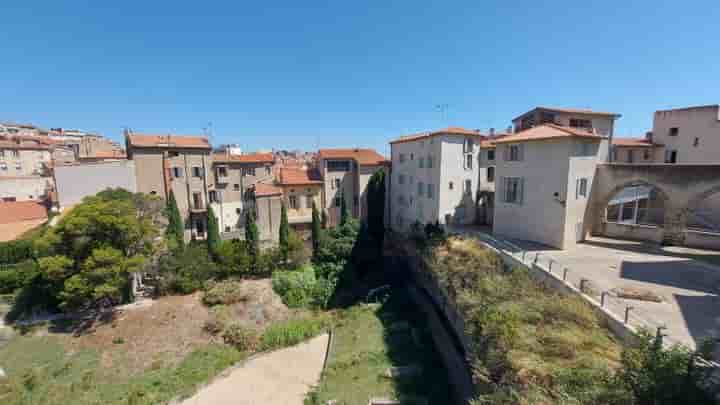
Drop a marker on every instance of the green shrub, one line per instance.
(14, 277)
(15, 251)
(243, 339)
(297, 288)
(186, 271)
(225, 292)
(291, 332)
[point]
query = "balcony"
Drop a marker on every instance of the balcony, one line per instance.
(221, 174)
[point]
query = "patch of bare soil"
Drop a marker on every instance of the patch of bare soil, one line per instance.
(155, 335)
(260, 307)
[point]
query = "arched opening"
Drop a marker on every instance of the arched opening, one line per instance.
(636, 204)
(703, 214)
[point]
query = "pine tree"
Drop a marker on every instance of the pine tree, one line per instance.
(213, 233)
(344, 214)
(284, 232)
(251, 238)
(175, 229)
(315, 230)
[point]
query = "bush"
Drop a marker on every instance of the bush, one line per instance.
(225, 292)
(186, 271)
(291, 332)
(14, 277)
(15, 251)
(243, 339)
(300, 288)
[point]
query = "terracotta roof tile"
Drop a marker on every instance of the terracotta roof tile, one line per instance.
(246, 158)
(548, 131)
(299, 177)
(634, 142)
(167, 141)
(364, 157)
(266, 190)
(448, 130)
(19, 211)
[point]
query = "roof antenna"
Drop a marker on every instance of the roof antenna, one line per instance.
(442, 109)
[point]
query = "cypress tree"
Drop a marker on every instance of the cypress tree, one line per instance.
(284, 232)
(213, 233)
(324, 219)
(175, 229)
(344, 215)
(251, 238)
(315, 230)
(376, 205)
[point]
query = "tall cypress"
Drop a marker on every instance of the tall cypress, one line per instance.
(324, 219)
(213, 233)
(284, 232)
(376, 205)
(175, 229)
(251, 238)
(315, 230)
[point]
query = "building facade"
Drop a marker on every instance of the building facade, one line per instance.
(301, 189)
(688, 135)
(345, 174)
(435, 178)
(181, 164)
(602, 123)
(23, 156)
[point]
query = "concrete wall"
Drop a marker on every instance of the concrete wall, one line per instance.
(33, 188)
(632, 232)
(702, 240)
(79, 181)
(700, 122)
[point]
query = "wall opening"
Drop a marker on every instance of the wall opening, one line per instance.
(638, 204)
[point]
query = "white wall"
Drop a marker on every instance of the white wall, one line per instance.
(25, 188)
(228, 214)
(457, 203)
(576, 225)
(702, 123)
(78, 181)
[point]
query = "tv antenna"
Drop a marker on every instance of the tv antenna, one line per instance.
(443, 110)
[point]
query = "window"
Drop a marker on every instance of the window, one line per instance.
(268, 170)
(513, 190)
(197, 201)
(222, 171)
(514, 153)
(308, 201)
(236, 187)
(491, 174)
(646, 154)
(338, 166)
(580, 123)
(674, 131)
(581, 188)
(213, 196)
(468, 187)
(491, 154)
(670, 156)
(237, 211)
(429, 162)
(173, 154)
(421, 162)
(628, 213)
(613, 213)
(630, 156)
(696, 142)
(197, 171)
(293, 202)
(614, 154)
(227, 229)
(248, 171)
(451, 185)
(401, 179)
(402, 158)
(468, 145)
(420, 188)
(18, 166)
(412, 156)
(177, 172)
(430, 191)
(16, 153)
(469, 161)
(2, 153)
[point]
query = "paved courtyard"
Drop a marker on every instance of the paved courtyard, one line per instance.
(685, 278)
(282, 377)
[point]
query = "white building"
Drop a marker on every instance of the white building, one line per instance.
(543, 181)
(688, 135)
(434, 178)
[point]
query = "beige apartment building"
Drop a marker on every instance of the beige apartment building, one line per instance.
(688, 135)
(346, 172)
(634, 151)
(181, 164)
(544, 177)
(301, 188)
(231, 191)
(601, 123)
(24, 156)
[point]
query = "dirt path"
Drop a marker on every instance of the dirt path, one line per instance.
(282, 377)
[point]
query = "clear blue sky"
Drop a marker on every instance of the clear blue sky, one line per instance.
(301, 74)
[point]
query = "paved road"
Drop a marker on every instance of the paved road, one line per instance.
(282, 377)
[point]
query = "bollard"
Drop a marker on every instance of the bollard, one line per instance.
(565, 272)
(627, 313)
(550, 266)
(582, 285)
(602, 299)
(523, 259)
(536, 257)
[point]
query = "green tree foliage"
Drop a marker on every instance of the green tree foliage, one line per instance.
(15, 251)
(185, 271)
(15, 276)
(233, 258)
(658, 375)
(284, 232)
(86, 259)
(252, 239)
(315, 230)
(176, 229)
(344, 214)
(213, 233)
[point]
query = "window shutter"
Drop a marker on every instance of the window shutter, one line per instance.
(521, 152)
(506, 152)
(522, 190)
(577, 188)
(501, 189)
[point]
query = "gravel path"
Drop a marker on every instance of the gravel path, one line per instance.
(282, 377)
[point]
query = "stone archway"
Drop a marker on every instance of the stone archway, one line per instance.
(705, 207)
